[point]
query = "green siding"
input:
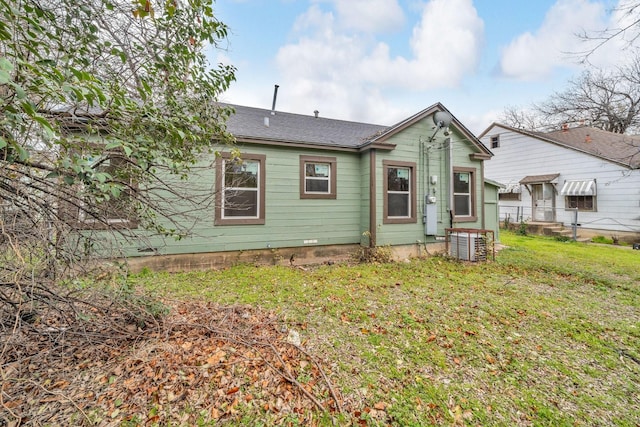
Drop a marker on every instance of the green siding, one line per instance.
(431, 157)
(407, 149)
(365, 199)
(290, 220)
(462, 147)
(491, 212)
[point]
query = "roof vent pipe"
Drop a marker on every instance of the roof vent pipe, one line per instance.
(275, 95)
(315, 113)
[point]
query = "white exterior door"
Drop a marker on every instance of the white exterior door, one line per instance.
(544, 202)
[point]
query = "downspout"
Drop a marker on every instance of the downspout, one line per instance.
(482, 195)
(450, 184)
(420, 182)
(372, 198)
(424, 156)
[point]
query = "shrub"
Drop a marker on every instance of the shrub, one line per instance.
(522, 229)
(379, 254)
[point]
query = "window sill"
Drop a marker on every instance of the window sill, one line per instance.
(317, 196)
(245, 221)
(399, 220)
(465, 218)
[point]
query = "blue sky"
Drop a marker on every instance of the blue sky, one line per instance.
(380, 61)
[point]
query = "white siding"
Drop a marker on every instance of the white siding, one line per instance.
(618, 188)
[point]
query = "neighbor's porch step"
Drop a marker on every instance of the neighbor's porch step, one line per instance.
(553, 229)
(559, 230)
(556, 231)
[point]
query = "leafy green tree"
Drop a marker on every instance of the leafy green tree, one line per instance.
(105, 107)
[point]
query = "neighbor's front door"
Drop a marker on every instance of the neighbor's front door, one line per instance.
(544, 202)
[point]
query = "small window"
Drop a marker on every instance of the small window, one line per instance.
(117, 208)
(240, 190)
(495, 141)
(582, 203)
(317, 177)
(464, 194)
(509, 196)
(399, 192)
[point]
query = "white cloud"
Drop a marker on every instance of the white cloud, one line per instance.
(618, 50)
(478, 122)
(314, 19)
(349, 70)
(556, 43)
(446, 43)
(445, 46)
(370, 16)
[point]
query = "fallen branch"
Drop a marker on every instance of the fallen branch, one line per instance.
(287, 376)
(624, 353)
(65, 397)
(324, 376)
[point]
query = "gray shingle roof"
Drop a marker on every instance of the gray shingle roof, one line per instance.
(249, 123)
(617, 147)
(614, 147)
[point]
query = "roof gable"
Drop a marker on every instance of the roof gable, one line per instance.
(400, 126)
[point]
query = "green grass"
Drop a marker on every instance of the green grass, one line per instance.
(542, 336)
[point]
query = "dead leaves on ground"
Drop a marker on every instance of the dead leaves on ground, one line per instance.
(204, 363)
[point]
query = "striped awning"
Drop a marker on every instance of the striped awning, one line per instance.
(512, 187)
(585, 187)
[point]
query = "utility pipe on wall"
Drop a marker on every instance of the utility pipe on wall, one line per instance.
(275, 96)
(450, 185)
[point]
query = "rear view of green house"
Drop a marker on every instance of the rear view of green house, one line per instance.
(310, 189)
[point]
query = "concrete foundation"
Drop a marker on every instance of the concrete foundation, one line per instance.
(280, 256)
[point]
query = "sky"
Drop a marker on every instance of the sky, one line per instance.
(381, 61)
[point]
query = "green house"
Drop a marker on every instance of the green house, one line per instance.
(308, 189)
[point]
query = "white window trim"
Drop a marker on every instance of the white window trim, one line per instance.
(219, 217)
(407, 192)
(318, 178)
(412, 209)
(231, 189)
(331, 162)
(471, 196)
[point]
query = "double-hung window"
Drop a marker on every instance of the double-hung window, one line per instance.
(317, 177)
(464, 194)
(399, 192)
(114, 206)
(240, 189)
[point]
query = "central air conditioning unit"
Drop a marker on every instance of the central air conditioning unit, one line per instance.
(468, 247)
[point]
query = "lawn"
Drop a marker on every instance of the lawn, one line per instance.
(548, 334)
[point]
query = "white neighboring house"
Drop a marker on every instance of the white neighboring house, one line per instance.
(548, 176)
